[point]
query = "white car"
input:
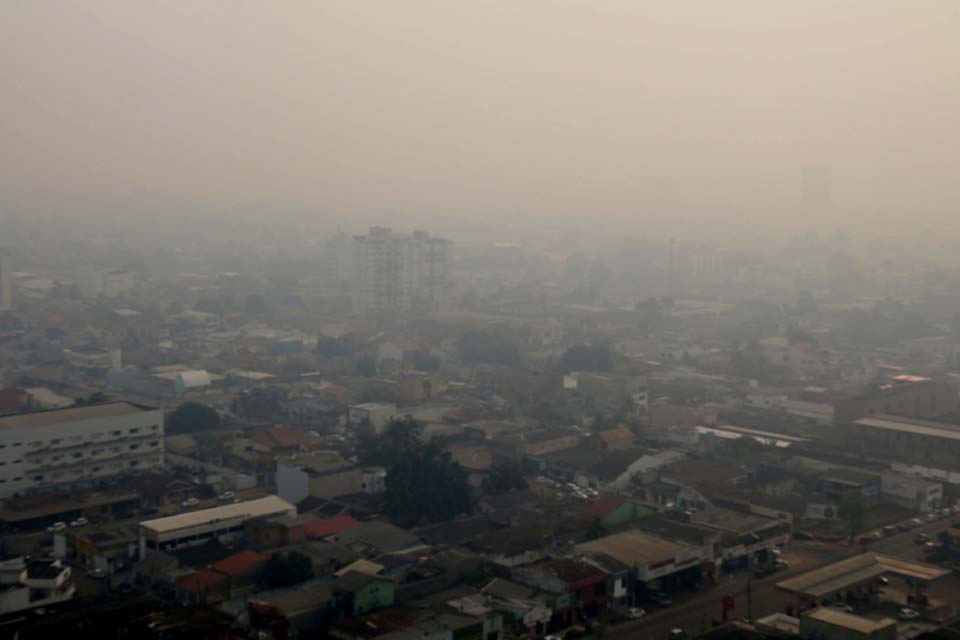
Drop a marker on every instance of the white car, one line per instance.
(190, 502)
(226, 495)
(79, 522)
(908, 614)
(635, 613)
(916, 522)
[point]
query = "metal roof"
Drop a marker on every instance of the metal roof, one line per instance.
(855, 570)
(71, 414)
(268, 506)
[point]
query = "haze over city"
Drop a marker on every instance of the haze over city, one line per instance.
(480, 320)
(417, 112)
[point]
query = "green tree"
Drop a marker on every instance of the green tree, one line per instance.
(401, 437)
(366, 367)
(851, 509)
(426, 485)
(286, 569)
(504, 477)
(587, 357)
(193, 417)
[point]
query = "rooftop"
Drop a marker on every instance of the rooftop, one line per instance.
(71, 414)
(239, 563)
(917, 427)
(270, 505)
(850, 621)
(856, 570)
(633, 548)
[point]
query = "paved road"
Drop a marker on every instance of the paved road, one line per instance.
(696, 612)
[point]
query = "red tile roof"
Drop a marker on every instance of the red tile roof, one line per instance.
(603, 506)
(321, 528)
(200, 581)
(283, 436)
(239, 563)
(620, 434)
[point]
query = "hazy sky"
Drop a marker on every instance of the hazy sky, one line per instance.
(487, 109)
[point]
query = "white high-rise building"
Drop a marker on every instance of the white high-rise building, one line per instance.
(399, 273)
(6, 282)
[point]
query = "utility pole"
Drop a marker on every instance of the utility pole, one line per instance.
(750, 588)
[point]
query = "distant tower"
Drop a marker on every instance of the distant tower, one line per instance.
(6, 282)
(817, 188)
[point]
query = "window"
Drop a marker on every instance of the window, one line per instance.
(78, 454)
(34, 444)
(154, 427)
(18, 479)
(115, 433)
(134, 447)
(18, 444)
(38, 478)
(95, 469)
(154, 443)
(135, 430)
(135, 463)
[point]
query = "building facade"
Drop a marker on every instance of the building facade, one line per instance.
(77, 447)
(396, 274)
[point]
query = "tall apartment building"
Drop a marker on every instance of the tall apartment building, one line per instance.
(76, 447)
(6, 282)
(399, 273)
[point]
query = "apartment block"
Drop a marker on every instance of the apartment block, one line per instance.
(78, 446)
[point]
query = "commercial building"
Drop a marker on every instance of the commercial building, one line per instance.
(906, 396)
(832, 624)
(912, 492)
(371, 415)
(199, 527)
(398, 273)
(77, 447)
(913, 441)
(326, 475)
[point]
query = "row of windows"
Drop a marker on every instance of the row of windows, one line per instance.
(79, 438)
(56, 475)
(190, 540)
(97, 452)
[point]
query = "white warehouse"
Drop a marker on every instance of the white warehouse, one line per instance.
(199, 527)
(77, 446)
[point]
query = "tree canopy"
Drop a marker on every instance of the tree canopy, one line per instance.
(193, 417)
(587, 357)
(504, 477)
(424, 483)
(851, 509)
(286, 569)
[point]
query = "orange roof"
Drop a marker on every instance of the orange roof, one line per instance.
(602, 506)
(239, 563)
(329, 526)
(406, 345)
(200, 581)
(283, 436)
(620, 434)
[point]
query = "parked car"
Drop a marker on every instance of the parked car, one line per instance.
(803, 535)
(79, 522)
(890, 530)
(57, 527)
(677, 634)
(226, 495)
(660, 599)
(916, 522)
(190, 502)
(98, 574)
(839, 606)
(635, 613)
(908, 614)
(922, 538)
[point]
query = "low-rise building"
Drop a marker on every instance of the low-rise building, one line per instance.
(372, 415)
(832, 624)
(194, 528)
(327, 475)
(35, 583)
(912, 492)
